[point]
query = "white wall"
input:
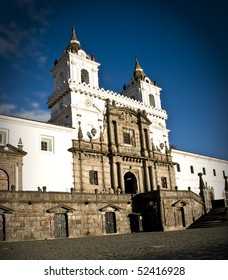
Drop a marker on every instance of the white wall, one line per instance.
(187, 179)
(42, 168)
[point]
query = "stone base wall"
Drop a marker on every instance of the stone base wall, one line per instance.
(32, 215)
(47, 215)
(168, 209)
(180, 209)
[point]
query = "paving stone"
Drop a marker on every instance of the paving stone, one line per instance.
(203, 243)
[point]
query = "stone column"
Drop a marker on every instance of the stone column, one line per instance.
(103, 173)
(120, 176)
(113, 174)
(170, 177)
(147, 142)
(116, 129)
(109, 128)
(156, 175)
(151, 176)
(19, 175)
(142, 136)
(146, 177)
(81, 159)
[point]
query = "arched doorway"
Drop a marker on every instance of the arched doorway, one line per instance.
(130, 183)
(4, 180)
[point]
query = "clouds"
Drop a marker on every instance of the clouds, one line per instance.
(23, 56)
(30, 107)
(11, 39)
(22, 31)
(7, 108)
(34, 112)
(19, 43)
(36, 10)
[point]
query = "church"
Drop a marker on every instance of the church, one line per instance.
(102, 164)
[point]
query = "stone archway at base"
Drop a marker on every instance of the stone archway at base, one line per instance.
(4, 180)
(130, 183)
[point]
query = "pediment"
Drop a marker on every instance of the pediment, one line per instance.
(158, 125)
(89, 106)
(180, 203)
(10, 149)
(128, 115)
(110, 208)
(61, 208)
(5, 210)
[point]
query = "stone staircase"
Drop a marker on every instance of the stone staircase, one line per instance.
(217, 217)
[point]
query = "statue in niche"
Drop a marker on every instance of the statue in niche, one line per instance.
(127, 117)
(152, 144)
(122, 116)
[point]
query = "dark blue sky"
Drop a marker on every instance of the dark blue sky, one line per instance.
(183, 45)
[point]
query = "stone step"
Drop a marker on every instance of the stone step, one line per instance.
(215, 218)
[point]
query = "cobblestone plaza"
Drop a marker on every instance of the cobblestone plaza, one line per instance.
(191, 244)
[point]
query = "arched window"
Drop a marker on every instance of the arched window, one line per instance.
(4, 180)
(152, 100)
(84, 76)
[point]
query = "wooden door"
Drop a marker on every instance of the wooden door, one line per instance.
(181, 217)
(110, 222)
(61, 227)
(2, 228)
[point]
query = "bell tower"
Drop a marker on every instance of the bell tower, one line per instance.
(75, 67)
(142, 89)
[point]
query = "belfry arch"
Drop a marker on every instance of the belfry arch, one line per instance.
(84, 76)
(130, 183)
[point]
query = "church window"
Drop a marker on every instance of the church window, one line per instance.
(46, 144)
(3, 137)
(204, 171)
(164, 182)
(93, 177)
(178, 168)
(84, 76)
(152, 100)
(127, 138)
(214, 172)
(192, 169)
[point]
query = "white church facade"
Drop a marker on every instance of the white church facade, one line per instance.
(104, 151)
